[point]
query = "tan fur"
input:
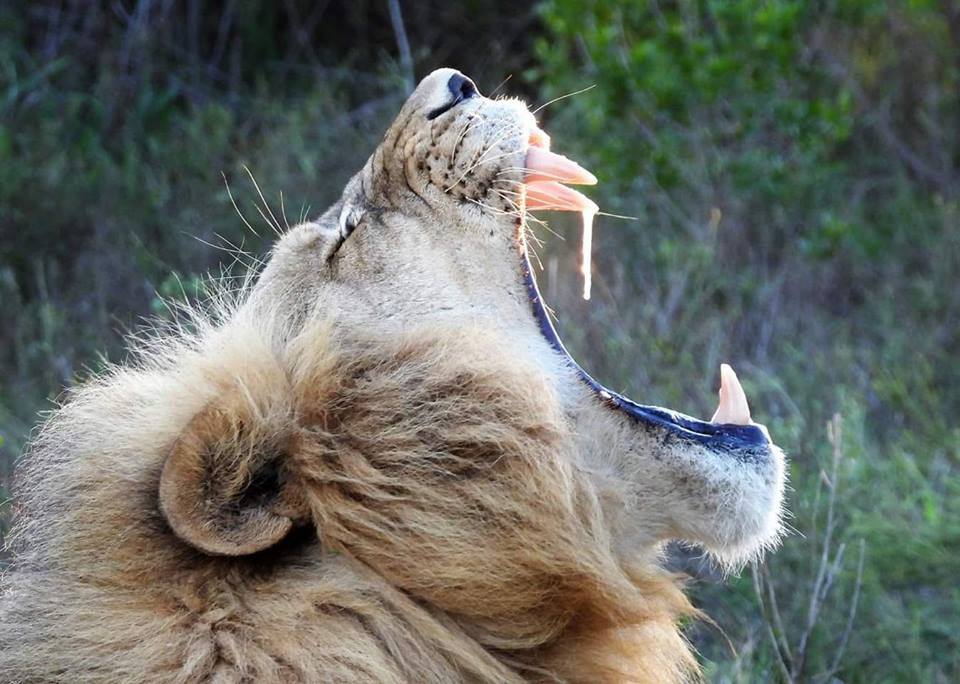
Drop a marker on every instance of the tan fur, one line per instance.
(458, 543)
(367, 467)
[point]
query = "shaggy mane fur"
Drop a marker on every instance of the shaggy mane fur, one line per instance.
(438, 529)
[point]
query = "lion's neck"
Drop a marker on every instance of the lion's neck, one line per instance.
(408, 272)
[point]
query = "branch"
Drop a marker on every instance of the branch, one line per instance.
(781, 663)
(951, 11)
(403, 45)
(851, 614)
(775, 614)
(818, 592)
(791, 664)
(882, 124)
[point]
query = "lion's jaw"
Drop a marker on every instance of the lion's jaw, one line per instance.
(432, 229)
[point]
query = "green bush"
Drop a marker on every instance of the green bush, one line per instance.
(767, 150)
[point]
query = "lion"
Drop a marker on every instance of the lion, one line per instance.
(376, 462)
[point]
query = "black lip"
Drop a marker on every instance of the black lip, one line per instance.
(458, 97)
(434, 113)
(715, 435)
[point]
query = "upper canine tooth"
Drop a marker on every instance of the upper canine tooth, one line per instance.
(733, 408)
(543, 165)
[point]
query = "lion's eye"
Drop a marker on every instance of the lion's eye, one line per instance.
(348, 226)
(350, 217)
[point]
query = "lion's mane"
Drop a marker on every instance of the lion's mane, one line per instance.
(445, 532)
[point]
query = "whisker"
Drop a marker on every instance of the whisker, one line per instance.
(509, 128)
(484, 159)
(532, 247)
(481, 162)
(493, 210)
(235, 207)
(619, 216)
(470, 123)
(306, 212)
(506, 129)
(467, 126)
(529, 218)
(275, 224)
(502, 83)
(276, 230)
(512, 192)
(283, 212)
(240, 251)
(514, 205)
(562, 97)
(545, 226)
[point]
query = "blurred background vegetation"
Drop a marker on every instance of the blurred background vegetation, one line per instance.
(794, 171)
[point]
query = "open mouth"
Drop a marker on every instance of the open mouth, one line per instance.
(546, 180)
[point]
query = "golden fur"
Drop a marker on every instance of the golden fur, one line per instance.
(454, 540)
(370, 466)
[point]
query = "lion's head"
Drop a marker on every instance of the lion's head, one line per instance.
(379, 463)
(433, 228)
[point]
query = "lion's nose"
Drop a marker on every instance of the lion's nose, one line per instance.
(461, 87)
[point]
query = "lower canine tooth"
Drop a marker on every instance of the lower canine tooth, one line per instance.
(733, 408)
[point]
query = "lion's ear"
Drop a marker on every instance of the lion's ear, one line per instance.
(224, 487)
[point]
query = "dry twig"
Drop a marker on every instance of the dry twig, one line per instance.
(791, 662)
(403, 45)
